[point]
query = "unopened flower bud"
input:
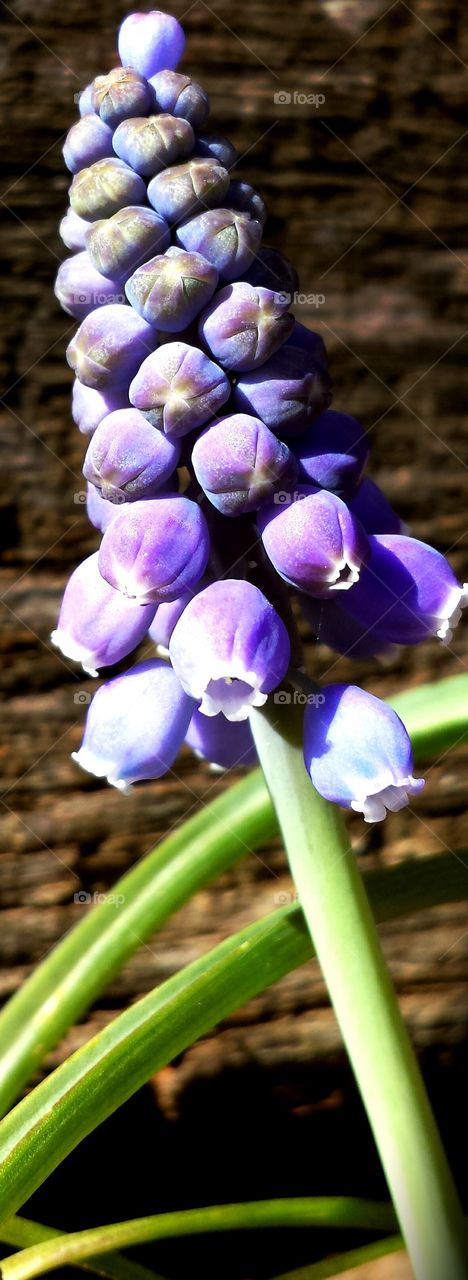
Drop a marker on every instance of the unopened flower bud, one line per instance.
(243, 197)
(287, 392)
(155, 550)
(127, 459)
(178, 388)
(240, 464)
(181, 190)
(333, 453)
(150, 42)
(105, 187)
(109, 347)
(228, 744)
(244, 326)
(117, 245)
(122, 93)
(150, 143)
(97, 626)
(181, 96)
(80, 288)
(213, 144)
(170, 290)
(226, 238)
(87, 141)
(89, 406)
(313, 541)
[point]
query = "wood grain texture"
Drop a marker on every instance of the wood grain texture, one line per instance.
(367, 195)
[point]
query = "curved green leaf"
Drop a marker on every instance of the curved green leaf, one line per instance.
(50, 1122)
(24, 1233)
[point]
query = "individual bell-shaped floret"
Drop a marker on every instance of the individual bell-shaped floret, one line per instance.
(313, 541)
(181, 96)
(243, 197)
(225, 237)
(179, 388)
(332, 624)
(241, 465)
(373, 509)
(86, 100)
(230, 648)
(127, 459)
(100, 513)
(270, 270)
(135, 726)
(358, 752)
(181, 190)
(170, 290)
(80, 288)
(150, 143)
(213, 144)
(88, 140)
(155, 550)
(119, 244)
(149, 42)
(97, 626)
(109, 347)
(407, 590)
(122, 93)
(89, 406)
(105, 187)
(333, 452)
(287, 392)
(73, 230)
(226, 744)
(244, 326)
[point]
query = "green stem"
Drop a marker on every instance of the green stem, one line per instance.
(340, 921)
(323, 1211)
(24, 1233)
(345, 1261)
(69, 979)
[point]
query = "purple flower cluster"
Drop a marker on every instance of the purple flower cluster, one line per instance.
(217, 473)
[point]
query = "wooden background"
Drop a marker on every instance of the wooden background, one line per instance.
(368, 195)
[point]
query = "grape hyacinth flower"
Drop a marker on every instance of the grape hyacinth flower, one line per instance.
(229, 648)
(358, 752)
(155, 550)
(136, 725)
(127, 459)
(219, 477)
(97, 625)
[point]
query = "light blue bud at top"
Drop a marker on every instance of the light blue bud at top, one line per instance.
(150, 143)
(243, 197)
(228, 745)
(73, 230)
(88, 140)
(120, 94)
(373, 509)
(171, 289)
(244, 326)
(97, 626)
(240, 464)
(150, 42)
(80, 288)
(230, 648)
(358, 752)
(332, 624)
(181, 96)
(313, 541)
(100, 513)
(333, 453)
(181, 190)
(119, 244)
(155, 550)
(213, 144)
(287, 392)
(105, 187)
(306, 340)
(135, 726)
(271, 270)
(109, 347)
(127, 459)
(89, 406)
(408, 591)
(229, 240)
(179, 388)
